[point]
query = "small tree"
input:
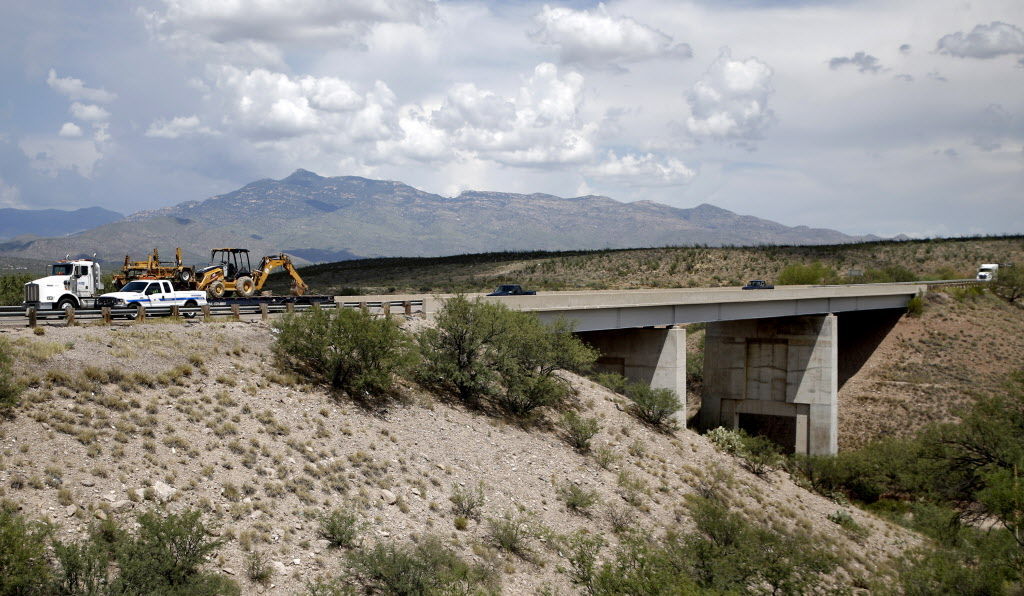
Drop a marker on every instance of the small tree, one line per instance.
(1009, 284)
(347, 348)
(457, 352)
(23, 565)
(656, 407)
(797, 274)
(165, 557)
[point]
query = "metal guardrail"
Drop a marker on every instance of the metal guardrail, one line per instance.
(12, 314)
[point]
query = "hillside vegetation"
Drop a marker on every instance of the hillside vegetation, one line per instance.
(668, 267)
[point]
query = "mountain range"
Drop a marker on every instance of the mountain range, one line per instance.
(23, 223)
(319, 219)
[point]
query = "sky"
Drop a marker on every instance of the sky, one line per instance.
(885, 117)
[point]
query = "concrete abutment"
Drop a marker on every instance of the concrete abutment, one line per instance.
(777, 377)
(656, 356)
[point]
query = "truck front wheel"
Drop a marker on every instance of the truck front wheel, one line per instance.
(65, 305)
(216, 289)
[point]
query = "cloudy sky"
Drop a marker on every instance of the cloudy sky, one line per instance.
(878, 117)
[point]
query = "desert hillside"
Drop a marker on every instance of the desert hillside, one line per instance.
(121, 420)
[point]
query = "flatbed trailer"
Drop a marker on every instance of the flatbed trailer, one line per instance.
(270, 300)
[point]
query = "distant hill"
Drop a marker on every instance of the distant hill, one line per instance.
(327, 219)
(52, 222)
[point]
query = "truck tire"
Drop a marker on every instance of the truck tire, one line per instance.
(66, 304)
(245, 286)
(133, 315)
(216, 289)
(190, 309)
(185, 276)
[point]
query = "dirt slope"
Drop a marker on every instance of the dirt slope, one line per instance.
(930, 367)
(207, 416)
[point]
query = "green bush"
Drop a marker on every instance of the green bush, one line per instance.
(467, 502)
(1009, 284)
(10, 390)
(12, 289)
(428, 567)
(656, 407)
(23, 565)
(798, 274)
(84, 569)
(340, 528)
(481, 350)
(579, 431)
(165, 555)
(915, 307)
(577, 499)
(511, 533)
(347, 348)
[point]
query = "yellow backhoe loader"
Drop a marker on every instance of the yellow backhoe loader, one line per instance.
(231, 273)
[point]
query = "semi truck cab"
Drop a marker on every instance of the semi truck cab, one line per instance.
(72, 283)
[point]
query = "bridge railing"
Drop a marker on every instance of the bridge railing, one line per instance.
(18, 314)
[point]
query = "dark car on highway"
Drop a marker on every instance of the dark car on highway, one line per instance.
(758, 284)
(511, 290)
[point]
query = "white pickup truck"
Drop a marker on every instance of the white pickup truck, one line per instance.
(151, 294)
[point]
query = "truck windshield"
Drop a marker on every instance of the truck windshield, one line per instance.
(135, 286)
(62, 269)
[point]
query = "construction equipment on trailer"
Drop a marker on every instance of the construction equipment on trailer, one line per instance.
(232, 273)
(181, 275)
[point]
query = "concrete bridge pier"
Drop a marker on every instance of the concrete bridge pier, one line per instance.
(776, 377)
(656, 356)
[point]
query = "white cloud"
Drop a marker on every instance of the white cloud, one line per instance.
(540, 126)
(70, 130)
(75, 89)
(731, 100)
(52, 155)
(180, 126)
(599, 40)
(89, 112)
(252, 32)
(984, 41)
(862, 61)
(641, 170)
(10, 196)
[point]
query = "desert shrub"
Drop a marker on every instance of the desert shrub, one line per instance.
(915, 307)
(347, 348)
(511, 533)
(758, 454)
(656, 407)
(799, 274)
(12, 289)
(1009, 284)
(889, 274)
(23, 565)
(165, 556)
(579, 430)
(481, 350)
(428, 567)
(583, 549)
(467, 502)
(457, 351)
(83, 568)
(728, 440)
(10, 390)
(340, 527)
(258, 567)
(577, 499)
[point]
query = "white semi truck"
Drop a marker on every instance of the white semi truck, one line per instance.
(988, 271)
(72, 283)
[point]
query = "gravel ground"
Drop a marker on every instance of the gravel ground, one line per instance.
(222, 429)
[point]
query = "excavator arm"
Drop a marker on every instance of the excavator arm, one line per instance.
(282, 260)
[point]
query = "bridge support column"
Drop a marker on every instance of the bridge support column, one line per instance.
(653, 356)
(776, 377)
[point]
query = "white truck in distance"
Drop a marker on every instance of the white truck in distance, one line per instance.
(988, 271)
(72, 283)
(151, 294)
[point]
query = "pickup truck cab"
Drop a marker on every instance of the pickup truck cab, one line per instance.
(758, 284)
(151, 294)
(511, 290)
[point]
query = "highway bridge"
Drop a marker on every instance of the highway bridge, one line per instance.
(773, 359)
